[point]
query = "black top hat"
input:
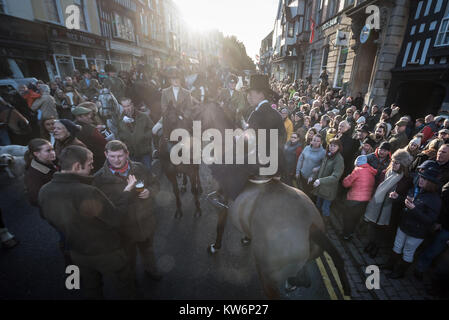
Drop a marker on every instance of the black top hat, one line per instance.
(260, 82)
(370, 141)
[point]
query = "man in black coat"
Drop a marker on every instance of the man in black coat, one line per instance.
(90, 223)
(232, 178)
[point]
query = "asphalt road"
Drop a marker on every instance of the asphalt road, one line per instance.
(35, 268)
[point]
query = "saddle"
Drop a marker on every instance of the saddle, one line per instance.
(263, 179)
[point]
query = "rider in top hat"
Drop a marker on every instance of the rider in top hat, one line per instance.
(233, 178)
(178, 96)
(114, 83)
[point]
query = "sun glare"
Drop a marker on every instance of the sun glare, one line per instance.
(200, 15)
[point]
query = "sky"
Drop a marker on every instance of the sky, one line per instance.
(249, 20)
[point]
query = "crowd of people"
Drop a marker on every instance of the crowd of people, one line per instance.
(392, 174)
(375, 168)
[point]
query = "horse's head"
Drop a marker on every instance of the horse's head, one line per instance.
(108, 104)
(14, 166)
(15, 121)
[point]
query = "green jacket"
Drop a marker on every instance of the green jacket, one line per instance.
(137, 136)
(329, 175)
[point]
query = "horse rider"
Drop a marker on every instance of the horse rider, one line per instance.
(114, 83)
(233, 178)
(232, 99)
(179, 97)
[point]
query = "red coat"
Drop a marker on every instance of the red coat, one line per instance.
(361, 181)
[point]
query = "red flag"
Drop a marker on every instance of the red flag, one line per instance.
(312, 30)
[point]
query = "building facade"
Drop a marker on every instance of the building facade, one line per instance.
(265, 54)
(332, 35)
(420, 79)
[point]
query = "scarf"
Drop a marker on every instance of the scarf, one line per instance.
(391, 179)
(123, 172)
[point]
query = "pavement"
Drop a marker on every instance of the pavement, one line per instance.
(357, 261)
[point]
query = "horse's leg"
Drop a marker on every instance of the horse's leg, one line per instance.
(198, 180)
(184, 183)
(269, 286)
(174, 182)
(221, 223)
(194, 185)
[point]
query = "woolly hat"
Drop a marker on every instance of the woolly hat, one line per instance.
(361, 120)
(403, 157)
(71, 126)
(387, 111)
(361, 160)
(416, 140)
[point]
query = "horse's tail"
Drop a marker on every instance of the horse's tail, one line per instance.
(320, 238)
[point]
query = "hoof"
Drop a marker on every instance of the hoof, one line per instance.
(198, 214)
(211, 249)
(289, 287)
(245, 241)
(178, 215)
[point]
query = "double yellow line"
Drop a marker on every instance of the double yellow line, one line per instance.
(327, 280)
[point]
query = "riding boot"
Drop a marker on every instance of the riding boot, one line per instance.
(370, 246)
(399, 270)
(374, 251)
(392, 260)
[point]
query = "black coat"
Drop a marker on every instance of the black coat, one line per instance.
(265, 117)
(36, 176)
(88, 219)
(139, 222)
(419, 221)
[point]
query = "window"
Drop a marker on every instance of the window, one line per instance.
(348, 2)
(325, 58)
(312, 61)
(144, 24)
(123, 27)
(443, 33)
(2, 6)
(51, 8)
(80, 4)
(291, 30)
(339, 74)
(331, 9)
(318, 11)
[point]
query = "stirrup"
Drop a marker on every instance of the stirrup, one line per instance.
(217, 200)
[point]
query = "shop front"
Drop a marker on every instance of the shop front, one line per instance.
(74, 50)
(23, 49)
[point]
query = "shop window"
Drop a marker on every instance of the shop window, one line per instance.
(64, 65)
(339, 74)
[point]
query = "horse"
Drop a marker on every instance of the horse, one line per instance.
(109, 110)
(13, 120)
(285, 227)
(174, 119)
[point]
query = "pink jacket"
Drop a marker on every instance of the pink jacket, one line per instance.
(361, 181)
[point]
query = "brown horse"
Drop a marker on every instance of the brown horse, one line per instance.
(173, 119)
(285, 227)
(13, 119)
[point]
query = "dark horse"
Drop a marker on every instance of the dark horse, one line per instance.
(13, 120)
(285, 227)
(174, 119)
